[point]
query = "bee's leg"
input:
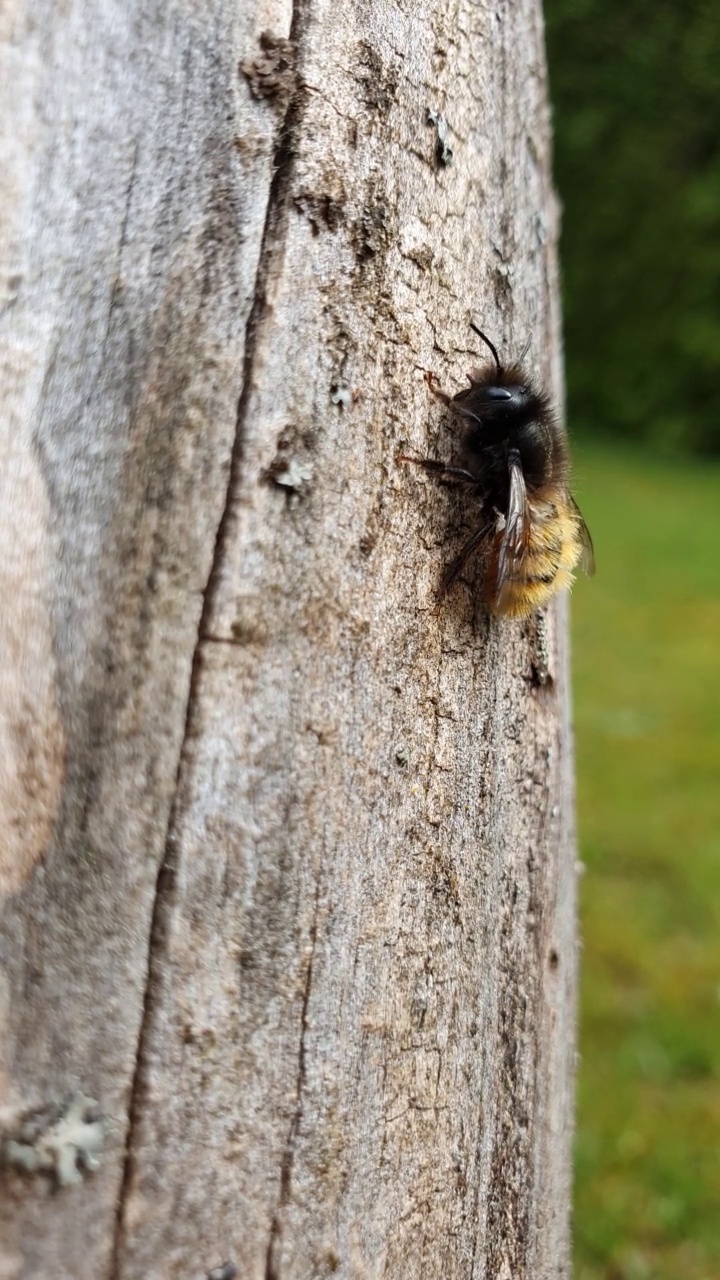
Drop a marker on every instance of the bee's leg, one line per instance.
(541, 656)
(455, 475)
(468, 548)
(432, 384)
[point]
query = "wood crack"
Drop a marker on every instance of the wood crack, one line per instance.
(117, 287)
(288, 1157)
(284, 155)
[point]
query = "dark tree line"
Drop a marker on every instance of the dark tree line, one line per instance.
(636, 88)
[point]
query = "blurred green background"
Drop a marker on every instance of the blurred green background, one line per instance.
(636, 91)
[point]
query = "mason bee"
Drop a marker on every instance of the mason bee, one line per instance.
(514, 462)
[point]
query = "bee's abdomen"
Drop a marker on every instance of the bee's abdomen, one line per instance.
(547, 564)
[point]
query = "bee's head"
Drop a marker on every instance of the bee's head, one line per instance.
(503, 396)
(511, 402)
(506, 400)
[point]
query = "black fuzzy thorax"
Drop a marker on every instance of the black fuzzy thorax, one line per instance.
(525, 427)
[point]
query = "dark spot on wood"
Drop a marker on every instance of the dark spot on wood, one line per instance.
(373, 232)
(379, 79)
(227, 1271)
(444, 884)
(502, 289)
(443, 149)
(271, 73)
(321, 210)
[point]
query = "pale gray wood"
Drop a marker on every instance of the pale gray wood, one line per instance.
(287, 854)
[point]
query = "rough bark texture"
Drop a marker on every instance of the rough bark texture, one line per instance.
(286, 855)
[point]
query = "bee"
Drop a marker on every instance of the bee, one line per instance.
(514, 462)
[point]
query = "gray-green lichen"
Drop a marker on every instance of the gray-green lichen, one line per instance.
(62, 1141)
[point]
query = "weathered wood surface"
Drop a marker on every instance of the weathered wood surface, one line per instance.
(287, 857)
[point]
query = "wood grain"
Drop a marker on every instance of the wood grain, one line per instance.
(287, 853)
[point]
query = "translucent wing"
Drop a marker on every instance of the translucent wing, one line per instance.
(587, 557)
(516, 533)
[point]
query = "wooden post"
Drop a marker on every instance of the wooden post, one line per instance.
(286, 854)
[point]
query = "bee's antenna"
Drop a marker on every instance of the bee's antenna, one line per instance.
(488, 343)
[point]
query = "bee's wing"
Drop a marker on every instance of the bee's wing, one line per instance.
(516, 533)
(587, 557)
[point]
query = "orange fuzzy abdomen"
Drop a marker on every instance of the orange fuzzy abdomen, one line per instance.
(552, 551)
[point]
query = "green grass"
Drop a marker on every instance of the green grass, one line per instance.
(646, 638)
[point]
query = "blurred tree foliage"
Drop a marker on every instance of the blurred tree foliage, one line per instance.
(636, 92)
